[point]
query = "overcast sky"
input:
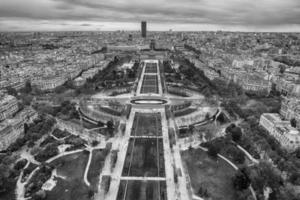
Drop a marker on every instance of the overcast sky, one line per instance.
(179, 15)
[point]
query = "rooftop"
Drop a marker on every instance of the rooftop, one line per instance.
(273, 117)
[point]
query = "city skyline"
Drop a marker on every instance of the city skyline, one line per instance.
(89, 113)
(191, 15)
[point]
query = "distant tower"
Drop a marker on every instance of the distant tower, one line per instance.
(144, 29)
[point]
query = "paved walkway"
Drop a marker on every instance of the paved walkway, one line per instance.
(143, 178)
(249, 156)
(86, 181)
(121, 144)
(182, 180)
(20, 187)
(171, 187)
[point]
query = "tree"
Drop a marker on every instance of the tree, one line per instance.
(236, 154)
(264, 174)
(31, 144)
(39, 195)
(50, 151)
(281, 69)
(131, 73)
(295, 178)
(221, 118)
(229, 128)
(100, 124)
(207, 116)
(27, 89)
(26, 128)
(273, 142)
(60, 89)
(202, 192)
(236, 134)
(297, 152)
(243, 195)
(20, 164)
(239, 157)
(2, 184)
(95, 143)
(27, 99)
(110, 124)
(293, 122)
(69, 84)
(241, 180)
(110, 127)
(191, 128)
(287, 193)
(91, 193)
(12, 91)
(213, 151)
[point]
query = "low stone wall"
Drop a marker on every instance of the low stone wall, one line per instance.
(96, 115)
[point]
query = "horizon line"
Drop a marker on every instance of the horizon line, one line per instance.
(174, 31)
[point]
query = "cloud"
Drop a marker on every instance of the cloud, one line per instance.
(85, 25)
(220, 13)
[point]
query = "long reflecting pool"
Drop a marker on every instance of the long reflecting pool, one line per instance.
(149, 101)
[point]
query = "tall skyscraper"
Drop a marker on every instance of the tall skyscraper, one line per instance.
(144, 29)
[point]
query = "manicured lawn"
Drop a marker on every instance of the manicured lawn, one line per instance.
(98, 159)
(144, 158)
(66, 190)
(147, 124)
(72, 168)
(215, 176)
(141, 190)
(9, 194)
(151, 68)
(150, 84)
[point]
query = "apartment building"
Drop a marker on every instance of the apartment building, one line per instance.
(12, 129)
(290, 109)
(254, 84)
(49, 83)
(287, 86)
(8, 106)
(90, 73)
(6, 136)
(211, 74)
(285, 134)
